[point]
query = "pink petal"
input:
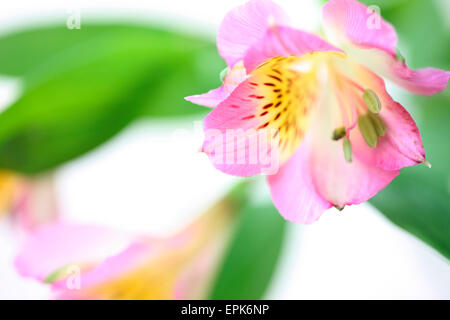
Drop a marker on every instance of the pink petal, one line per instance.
(427, 81)
(318, 176)
(176, 267)
(402, 145)
(245, 25)
(293, 190)
(231, 133)
(111, 269)
(336, 180)
(282, 41)
(36, 203)
(214, 97)
(210, 99)
(346, 23)
(195, 280)
(349, 21)
(343, 183)
(58, 245)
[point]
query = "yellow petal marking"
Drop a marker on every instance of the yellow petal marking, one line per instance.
(285, 89)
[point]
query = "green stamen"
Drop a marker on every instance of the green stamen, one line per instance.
(338, 133)
(348, 154)
(367, 129)
(372, 101)
(378, 124)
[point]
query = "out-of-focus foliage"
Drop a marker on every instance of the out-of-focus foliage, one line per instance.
(252, 255)
(419, 199)
(386, 4)
(81, 87)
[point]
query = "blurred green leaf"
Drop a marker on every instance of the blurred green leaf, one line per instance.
(385, 4)
(418, 200)
(419, 203)
(91, 85)
(252, 256)
(423, 35)
(25, 49)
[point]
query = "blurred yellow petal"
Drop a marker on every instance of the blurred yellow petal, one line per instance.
(179, 267)
(9, 184)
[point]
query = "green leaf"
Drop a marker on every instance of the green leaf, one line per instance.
(79, 98)
(195, 74)
(423, 34)
(419, 203)
(252, 256)
(385, 4)
(24, 50)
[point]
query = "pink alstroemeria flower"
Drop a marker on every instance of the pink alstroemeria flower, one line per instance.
(94, 262)
(340, 136)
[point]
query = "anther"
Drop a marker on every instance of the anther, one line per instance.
(367, 129)
(378, 124)
(372, 101)
(347, 146)
(338, 133)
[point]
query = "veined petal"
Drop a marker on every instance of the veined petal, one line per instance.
(58, 245)
(262, 122)
(281, 41)
(372, 42)
(210, 99)
(293, 191)
(318, 175)
(338, 181)
(426, 81)
(402, 145)
(343, 183)
(214, 97)
(245, 25)
(349, 21)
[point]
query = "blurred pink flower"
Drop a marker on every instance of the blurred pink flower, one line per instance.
(29, 202)
(339, 136)
(93, 262)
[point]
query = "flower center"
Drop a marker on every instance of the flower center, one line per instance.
(359, 108)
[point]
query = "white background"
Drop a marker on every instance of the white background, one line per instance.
(149, 179)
